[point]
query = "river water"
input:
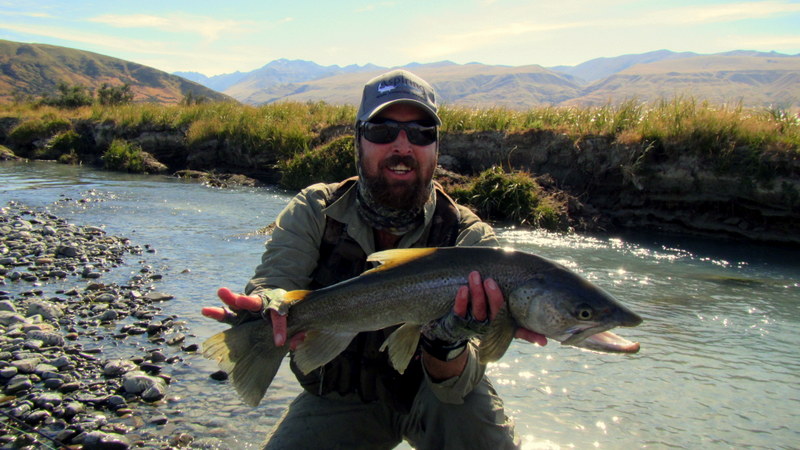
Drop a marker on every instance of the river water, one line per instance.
(719, 365)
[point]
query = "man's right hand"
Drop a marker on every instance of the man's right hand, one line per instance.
(253, 303)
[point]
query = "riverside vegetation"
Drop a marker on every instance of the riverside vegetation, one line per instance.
(676, 165)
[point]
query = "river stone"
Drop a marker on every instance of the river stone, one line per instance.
(118, 367)
(8, 318)
(137, 382)
(47, 310)
(18, 384)
(48, 339)
(26, 365)
(69, 251)
(48, 400)
(98, 440)
(7, 306)
(155, 392)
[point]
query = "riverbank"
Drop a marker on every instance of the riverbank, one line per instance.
(61, 385)
(676, 166)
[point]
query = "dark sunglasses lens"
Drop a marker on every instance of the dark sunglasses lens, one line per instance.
(381, 133)
(384, 133)
(421, 135)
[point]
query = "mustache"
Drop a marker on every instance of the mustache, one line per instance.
(408, 161)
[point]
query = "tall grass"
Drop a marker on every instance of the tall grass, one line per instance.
(287, 128)
(684, 119)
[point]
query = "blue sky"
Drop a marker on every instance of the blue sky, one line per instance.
(226, 36)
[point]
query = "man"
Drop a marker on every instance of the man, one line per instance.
(358, 400)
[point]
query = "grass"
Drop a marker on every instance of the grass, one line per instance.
(331, 162)
(682, 119)
(731, 138)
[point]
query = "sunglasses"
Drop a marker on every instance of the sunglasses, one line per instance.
(386, 131)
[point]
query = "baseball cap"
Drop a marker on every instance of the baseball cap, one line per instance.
(397, 86)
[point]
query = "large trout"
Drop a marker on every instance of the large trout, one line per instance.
(411, 287)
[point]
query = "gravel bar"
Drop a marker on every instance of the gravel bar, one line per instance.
(83, 363)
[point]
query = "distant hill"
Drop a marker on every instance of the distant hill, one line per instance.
(36, 70)
(257, 86)
(752, 78)
(599, 68)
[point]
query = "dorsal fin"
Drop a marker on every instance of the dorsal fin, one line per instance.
(397, 256)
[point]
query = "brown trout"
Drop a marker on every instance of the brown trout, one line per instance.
(411, 287)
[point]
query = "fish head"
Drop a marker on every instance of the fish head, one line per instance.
(565, 307)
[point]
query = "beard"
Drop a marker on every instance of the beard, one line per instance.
(405, 195)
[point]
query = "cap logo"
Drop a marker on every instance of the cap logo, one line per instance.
(383, 88)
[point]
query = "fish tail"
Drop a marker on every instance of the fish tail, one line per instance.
(249, 356)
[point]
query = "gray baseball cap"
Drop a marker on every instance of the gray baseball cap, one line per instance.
(397, 86)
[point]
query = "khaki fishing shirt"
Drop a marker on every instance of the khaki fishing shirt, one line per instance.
(292, 254)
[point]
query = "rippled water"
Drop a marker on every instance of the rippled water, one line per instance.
(719, 365)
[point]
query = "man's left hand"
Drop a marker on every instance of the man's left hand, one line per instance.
(476, 305)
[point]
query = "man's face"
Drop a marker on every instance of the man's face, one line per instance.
(399, 173)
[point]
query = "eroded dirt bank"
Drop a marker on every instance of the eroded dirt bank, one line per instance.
(650, 186)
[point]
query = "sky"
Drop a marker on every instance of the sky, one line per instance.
(225, 36)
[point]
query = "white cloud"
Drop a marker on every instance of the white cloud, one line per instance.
(36, 15)
(208, 27)
(94, 39)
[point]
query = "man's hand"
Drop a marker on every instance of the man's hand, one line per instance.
(484, 299)
(253, 303)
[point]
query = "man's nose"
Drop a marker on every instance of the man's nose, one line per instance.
(402, 144)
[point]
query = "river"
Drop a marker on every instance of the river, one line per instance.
(719, 365)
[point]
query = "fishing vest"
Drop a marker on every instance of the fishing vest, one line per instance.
(362, 368)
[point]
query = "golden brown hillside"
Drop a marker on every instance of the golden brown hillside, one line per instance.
(34, 70)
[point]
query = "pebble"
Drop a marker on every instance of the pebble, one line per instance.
(51, 373)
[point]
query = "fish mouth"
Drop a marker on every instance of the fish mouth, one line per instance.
(598, 338)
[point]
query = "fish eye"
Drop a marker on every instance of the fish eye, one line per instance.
(584, 312)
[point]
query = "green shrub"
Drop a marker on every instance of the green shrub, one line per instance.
(70, 157)
(109, 95)
(124, 156)
(510, 197)
(70, 96)
(334, 161)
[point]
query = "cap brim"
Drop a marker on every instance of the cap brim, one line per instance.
(418, 104)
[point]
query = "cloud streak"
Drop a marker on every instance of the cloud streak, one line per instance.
(210, 28)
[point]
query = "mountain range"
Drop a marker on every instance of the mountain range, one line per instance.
(747, 77)
(750, 78)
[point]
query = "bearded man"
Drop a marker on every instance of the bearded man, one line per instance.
(323, 236)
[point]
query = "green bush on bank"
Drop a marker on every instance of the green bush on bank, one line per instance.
(124, 156)
(515, 197)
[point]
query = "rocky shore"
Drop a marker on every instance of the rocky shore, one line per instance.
(79, 357)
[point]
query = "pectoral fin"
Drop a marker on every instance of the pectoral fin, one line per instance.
(319, 347)
(402, 345)
(496, 341)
